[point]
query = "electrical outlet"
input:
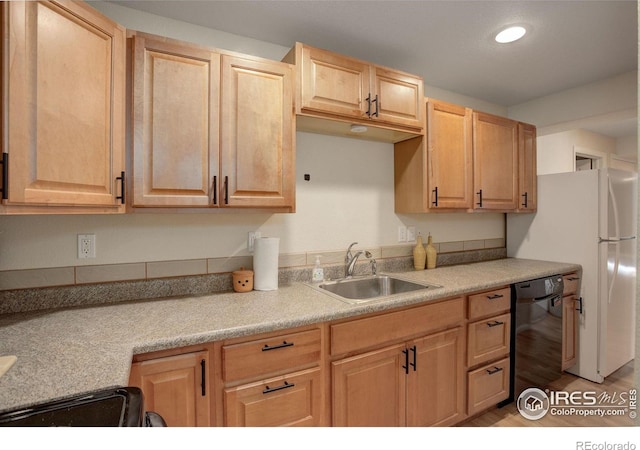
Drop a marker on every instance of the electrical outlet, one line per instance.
(411, 234)
(402, 233)
(253, 235)
(86, 246)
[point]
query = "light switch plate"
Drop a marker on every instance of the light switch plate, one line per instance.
(411, 234)
(402, 233)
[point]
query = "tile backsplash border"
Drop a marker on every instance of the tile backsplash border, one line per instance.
(58, 287)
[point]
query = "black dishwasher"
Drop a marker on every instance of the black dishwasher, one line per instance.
(114, 407)
(537, 333)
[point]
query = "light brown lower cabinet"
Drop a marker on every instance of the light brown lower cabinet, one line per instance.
(176, 387)
(417, 383)
(290, 400)
(571, 307)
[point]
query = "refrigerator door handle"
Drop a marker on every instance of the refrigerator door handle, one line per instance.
(613, 240)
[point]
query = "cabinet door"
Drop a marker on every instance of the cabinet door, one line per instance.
(176, 387)
(257, 159)
(436, 387)
(570, 323)
(397, 98)
(527, 177)
(333, 84)
(175, 123)
(291, 400)
(495, 158)
(369, 390)
(64, 118)
(450, 155)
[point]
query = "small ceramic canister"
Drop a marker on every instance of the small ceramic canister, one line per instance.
(242, 280)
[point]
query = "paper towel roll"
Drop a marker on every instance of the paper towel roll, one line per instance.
(265, 263)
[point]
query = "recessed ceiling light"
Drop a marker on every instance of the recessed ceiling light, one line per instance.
(510, 34)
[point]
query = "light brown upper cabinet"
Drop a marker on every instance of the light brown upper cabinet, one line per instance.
(495, 162)
(527, 172)
(467, 161)
(436, 172)
(210, 129)
(346, 90)
(63, 91)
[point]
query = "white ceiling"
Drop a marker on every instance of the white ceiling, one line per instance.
(449, 43)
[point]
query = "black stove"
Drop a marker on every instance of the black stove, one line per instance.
(114, 407)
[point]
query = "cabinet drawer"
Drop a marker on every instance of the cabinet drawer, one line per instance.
(571, 283)
(270, 355)
(489, 303)
(290, 400)
(390, 327)
(488, 385)
(488, 339)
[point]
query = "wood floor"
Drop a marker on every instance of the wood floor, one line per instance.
(619, 382)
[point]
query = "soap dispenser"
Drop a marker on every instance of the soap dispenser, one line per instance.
(318, 273)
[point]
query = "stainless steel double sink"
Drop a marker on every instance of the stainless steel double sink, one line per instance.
(364, 289)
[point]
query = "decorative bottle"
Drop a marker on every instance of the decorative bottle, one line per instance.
(419, 254)
(432, 254)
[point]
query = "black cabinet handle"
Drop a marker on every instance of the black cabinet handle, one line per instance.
(406, 361)
(494, 370)
(226, 190)
(573, 278)
(377, 102)
(493, 297)
(526, 201)
(203, 369)
(284, 344)
(435, 192)
(495, 323)
(579, 308)
(215, 189)
(414, 351)
(479, 194)
(279, 388)
(368, 99)
(5, 175)
(122, 187)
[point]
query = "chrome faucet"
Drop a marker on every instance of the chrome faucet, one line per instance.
(351, 259)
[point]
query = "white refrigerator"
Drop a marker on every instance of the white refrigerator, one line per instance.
(589, 218)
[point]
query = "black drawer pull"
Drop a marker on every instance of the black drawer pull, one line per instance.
(279, 388)
(573, 279)
(494, 370)
(493, 297)
(284, 344)
(495, 323)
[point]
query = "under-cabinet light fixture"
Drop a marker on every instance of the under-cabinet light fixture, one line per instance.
(510, 34)
(358, 128)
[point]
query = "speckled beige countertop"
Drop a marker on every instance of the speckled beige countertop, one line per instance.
(70, 351)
